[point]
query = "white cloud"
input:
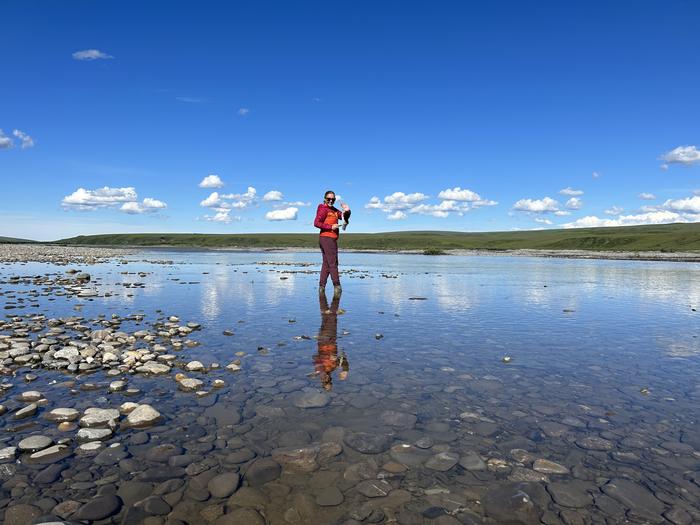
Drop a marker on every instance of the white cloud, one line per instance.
(147, 206)
(240, 200)
(91, 54)
(595, 175)
(647, 196)
(685, 155)
(5, 141)
(562, 213)
(27, 141)
(286, 214)
(544, 205)
(297, 203)
(211, 181)
(124, 198)
(614, 210)
(243, 111)
(570, 192)
(400, 200)
(396, 216)
(222, 216)
(190, 100)
(654, 217)
(459, 194)
(273, 195)
(574, 203)
(212, 201)
(542, 220)
(687, 205)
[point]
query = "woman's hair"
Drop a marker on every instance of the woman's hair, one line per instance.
(326, 194)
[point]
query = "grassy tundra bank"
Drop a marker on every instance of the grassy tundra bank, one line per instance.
(663, 238)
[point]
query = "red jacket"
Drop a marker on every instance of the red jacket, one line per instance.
(326, 217)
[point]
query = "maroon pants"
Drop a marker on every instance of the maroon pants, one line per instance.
(329, 249)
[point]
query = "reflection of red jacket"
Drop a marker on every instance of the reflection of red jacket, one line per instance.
(326, 217)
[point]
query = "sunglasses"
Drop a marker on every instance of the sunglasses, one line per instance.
(332, 199)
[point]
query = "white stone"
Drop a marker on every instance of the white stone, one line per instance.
(194, 366)
(233, 367)
(8, 453)
(143, 415)
(99, 417)
(35, 443)
(93, 434)
(63, 414)
(70, 353)
(151, 367)
(188, 384)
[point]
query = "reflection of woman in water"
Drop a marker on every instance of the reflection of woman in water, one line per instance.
(326, 359)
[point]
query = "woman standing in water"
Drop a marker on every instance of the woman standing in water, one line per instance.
(328, 221)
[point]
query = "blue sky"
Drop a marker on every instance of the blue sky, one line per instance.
(469, 116)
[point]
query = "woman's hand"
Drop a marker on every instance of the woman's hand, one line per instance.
(345, 207)
(335, 226)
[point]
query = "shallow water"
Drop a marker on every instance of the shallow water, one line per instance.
(601, 378)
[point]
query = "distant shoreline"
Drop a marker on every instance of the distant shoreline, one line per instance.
(62, 254)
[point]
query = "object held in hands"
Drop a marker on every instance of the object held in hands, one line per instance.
(346, 216)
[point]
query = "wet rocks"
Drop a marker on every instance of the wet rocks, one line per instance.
(549, 467)
(595, 443)
(188, 384)
(408, 455)
(472, 461)
(402, 420)
(443, 461)
(61, 415)
(299, 458)
(51, 454)
(86, 435)
(142, 416)
(35, 443)
(223, 485)
(8, 454)
(151, 367)
(262, 471)
(374, 488)
(512, 504)
(21, 514)
(310, 399)
(25, 412)
(98, 508)
(194, 366)
(99, 417)
(635, 497)
(367, 443)
(572, 494)
(329, 497)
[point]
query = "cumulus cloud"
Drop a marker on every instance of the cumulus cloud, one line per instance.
(212, 201)
(647, 196)
(654, 217)
(574, 203)
(614, 210)
(396, 216)
(542, 220)
(570, 192)
(243, 111)
(27, 141)
(222, 216)
(91, 54)
(211, 181)
(147, 206)
(454, 200)
(562, 213)
(684, 155)
(126, 199)
(285, 214)
(273, 195)
(544, 205)
(688, 205)
(5, 141)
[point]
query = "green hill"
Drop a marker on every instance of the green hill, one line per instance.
(663, 238)
(13, 240)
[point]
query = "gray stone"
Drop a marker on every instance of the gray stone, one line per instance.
(35, 443)
(409, 455)
(635, 497)
(21, 514)
(27, 411)
(151, 367)
(86, 435)
(98, 508)
(595, 443)
(223, 485)
(329, 497)
(99, 417)
(262, 471)
(442, 461)
(142, 416)
(50, 474)
(512, 504)
(190, 384)
(368, 443)
(402, 420)
(472, 461)
(154, 506)
(299, 458)
(51, 454)
(549, 467)
(373, 488)
(61, 415)
(240, 517)
(572, 494)
(311, 399)
(8, 454)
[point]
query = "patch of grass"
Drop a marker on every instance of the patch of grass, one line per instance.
(667, 237)
(433, 251)
(14, 240)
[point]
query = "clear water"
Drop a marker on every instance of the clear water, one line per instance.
(598, 349)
